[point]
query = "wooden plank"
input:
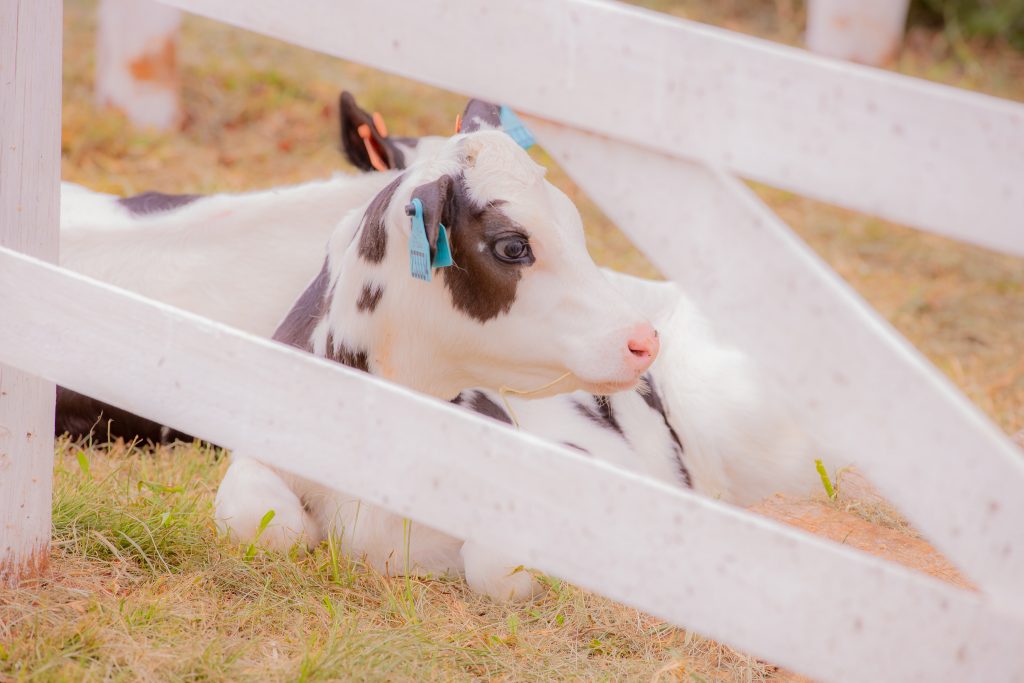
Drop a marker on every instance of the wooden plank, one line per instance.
(137, 61)
(914, 152)
(811, 605)
(866, 394)
(30, 71)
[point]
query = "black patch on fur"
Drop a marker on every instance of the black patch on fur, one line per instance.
(369, 298)
(481, 286)
(373, 238)
(479, 114)
(353, 358)
(297, 327)
(573, 446)
(480, 402)
(156, 202)
(653, 400)
(82, 417)
(601, 413)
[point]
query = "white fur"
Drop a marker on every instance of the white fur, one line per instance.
(236, 258)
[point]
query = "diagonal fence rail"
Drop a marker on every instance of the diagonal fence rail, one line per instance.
(794, 599)
(932, 156)
(924, 154)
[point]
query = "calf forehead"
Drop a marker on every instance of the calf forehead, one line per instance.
(497, 168)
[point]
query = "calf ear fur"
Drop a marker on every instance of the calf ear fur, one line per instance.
(363, 139)
(439, 206)
(480, 115)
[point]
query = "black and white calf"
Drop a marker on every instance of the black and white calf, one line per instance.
(238, 258)
(523, 305)
(242, 258)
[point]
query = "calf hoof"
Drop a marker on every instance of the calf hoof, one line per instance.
(248, 492)
(496, 577)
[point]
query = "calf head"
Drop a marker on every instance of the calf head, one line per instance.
(522, 304)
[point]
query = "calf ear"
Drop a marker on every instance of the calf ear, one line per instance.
(364, 138)
(480, 115)
(439, 206)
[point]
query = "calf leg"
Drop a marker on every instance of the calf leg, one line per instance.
(248, 491)
(495, 576)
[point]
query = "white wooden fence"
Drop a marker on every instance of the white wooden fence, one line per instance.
(652, 116)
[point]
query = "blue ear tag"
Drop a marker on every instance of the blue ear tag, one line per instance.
(511, 124)
(419, 247)
(443, 254)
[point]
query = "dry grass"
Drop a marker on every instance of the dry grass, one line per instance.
(140, 587)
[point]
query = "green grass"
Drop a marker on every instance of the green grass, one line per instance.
(142, 588)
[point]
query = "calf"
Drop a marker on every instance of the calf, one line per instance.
(703, 418)
(706, 418)
(523, 305)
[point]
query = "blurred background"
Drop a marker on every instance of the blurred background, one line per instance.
(256, 113)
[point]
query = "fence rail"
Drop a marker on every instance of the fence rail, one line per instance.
(640, 109)
(843, 366)
(729, 574)
(919, 153)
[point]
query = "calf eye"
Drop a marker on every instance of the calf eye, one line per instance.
(513, 249)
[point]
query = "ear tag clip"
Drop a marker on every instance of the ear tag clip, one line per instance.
(515, 128)
(371, 151)
(443, 254)
(419, 247)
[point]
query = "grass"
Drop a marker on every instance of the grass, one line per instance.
(141, 588)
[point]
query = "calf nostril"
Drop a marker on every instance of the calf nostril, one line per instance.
(639, 349)
(643, 347)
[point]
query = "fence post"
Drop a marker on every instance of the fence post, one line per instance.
(137, 61)
(30, 107)
(865, 31)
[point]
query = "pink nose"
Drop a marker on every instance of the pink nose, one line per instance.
(643, 348)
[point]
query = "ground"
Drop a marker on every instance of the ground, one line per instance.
(141, 588)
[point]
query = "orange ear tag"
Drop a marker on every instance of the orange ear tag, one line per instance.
(375, 160)
(378, 123)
